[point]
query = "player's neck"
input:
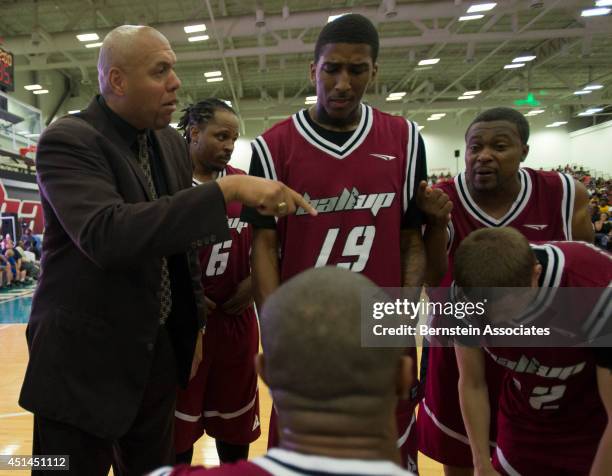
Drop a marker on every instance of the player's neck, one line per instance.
(337, 438)
(203, 175)
(320, 117)
(498, 201)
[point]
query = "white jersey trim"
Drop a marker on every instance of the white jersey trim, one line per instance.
(505, 464)
(402, 439)
(338, 152)
(412, 148)
(186, 417)
(230, 415)
(600, 314)
(550, 283)
(281, 462)
(267, 164)
(515, 210)
(567, 203)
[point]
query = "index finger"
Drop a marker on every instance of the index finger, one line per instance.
(300, 201)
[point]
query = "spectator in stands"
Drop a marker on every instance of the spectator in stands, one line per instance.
(602, 227)
(28, 261)
(30, 243)
(6, 274)
(603, 205)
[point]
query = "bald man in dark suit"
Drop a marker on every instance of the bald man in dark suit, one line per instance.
(119, 304)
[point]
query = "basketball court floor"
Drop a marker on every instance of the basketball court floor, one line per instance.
(16, 423)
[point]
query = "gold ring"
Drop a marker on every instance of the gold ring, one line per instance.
(281, 208)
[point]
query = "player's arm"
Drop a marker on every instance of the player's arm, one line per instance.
(265, 274)
(412, 249)
(437, 207)
(602, 465)
(582, 228)
(264, 264)
(474, 399)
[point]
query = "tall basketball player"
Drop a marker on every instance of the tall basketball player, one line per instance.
(360, 168)
(494, 191)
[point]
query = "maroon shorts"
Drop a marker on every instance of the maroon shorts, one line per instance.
(222, 399)
(441, 432)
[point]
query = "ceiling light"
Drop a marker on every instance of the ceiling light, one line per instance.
(470, 17)
(593, 87)
(32, 87)
(311, 98)
(591, 111)
(482, 7)
(595, 12)
(421, 128)
(394, 98)
(93, 45)
(514, 65)
(174, 125)
(472, 93)
(212, 74)
(229, 103)
(214, 80)
(88, 37)
(464, 97)
(191, 39)
(557, 124)
(524, 58)
(41, 91)
(603, 3)
(400, 94)
(74, 111)
(333, 17)
(535, 112)
(30, 135)
(429, 61)
(194, 28)
(582, 92)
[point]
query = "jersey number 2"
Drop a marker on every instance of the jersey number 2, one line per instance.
(358, 243)
(541, 397)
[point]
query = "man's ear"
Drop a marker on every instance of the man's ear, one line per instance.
(260, 367)
(117, 81)
(193, 133)
(405, 377)
(525, 152)
(374, 72)
(535, 275)
(313, 72)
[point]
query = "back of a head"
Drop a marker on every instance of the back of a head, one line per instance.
(350, 28)
(505, 114)
(493, 257)
(311, 338)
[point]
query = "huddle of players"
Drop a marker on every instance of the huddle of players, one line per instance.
(365, 171)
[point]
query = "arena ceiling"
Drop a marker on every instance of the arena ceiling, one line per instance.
(263, 49)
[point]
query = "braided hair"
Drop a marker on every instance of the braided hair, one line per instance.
(200, 113)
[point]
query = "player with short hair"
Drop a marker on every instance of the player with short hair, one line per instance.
(222, 398)
(359, 167)
(336, 403)
(494, 191)
(550, 420)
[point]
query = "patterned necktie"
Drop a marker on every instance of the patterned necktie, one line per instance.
(166, 293)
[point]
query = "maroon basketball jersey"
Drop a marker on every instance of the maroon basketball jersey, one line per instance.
(542, 211)
(225, 265)
(551, 392)
(360, 189)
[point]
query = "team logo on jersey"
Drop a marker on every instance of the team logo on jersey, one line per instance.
(536, 227)
(255, 423)
(350, 200)
(533, 366)
(383, 156)
(236, 224)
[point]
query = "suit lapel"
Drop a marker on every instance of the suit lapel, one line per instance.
(95, 115)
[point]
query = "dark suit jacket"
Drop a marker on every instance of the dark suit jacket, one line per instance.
(95, 313)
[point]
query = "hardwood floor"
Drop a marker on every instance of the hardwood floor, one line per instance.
(16, 424)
